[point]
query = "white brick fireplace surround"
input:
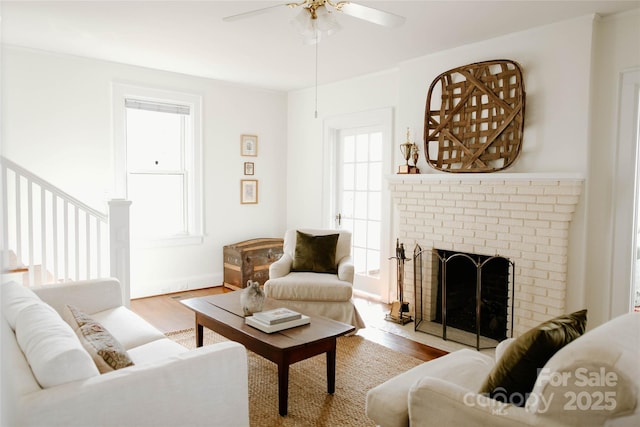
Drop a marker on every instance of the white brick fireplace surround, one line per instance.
(524, 217)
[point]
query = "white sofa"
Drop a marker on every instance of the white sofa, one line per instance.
(592, 381)
(48, 382)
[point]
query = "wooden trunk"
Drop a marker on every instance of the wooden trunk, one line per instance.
(250, 260)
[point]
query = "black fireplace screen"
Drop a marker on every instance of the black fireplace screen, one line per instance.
(472, 298)
(462, 273)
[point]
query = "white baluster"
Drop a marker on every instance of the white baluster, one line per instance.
(43, 232)
(18, 220)
(30, 263)
(66, 240)
(99, 248)
(5, 219)
(76, 246)
(87, 236)
(54, 210)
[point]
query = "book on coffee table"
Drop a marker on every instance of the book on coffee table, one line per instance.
(277, 315)
(264, 327)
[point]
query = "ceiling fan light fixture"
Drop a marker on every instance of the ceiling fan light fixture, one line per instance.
(326, 21)
(315, 24)
(302, 22)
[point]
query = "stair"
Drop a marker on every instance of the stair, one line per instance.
(17, 272)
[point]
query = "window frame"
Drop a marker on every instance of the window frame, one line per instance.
(192, 156)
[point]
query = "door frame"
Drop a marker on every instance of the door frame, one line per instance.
(332, 126)
(625, 203)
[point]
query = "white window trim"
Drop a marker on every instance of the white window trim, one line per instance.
(193, 155)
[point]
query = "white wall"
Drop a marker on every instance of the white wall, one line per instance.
(305, 168)
(56, 113)
(556, 62)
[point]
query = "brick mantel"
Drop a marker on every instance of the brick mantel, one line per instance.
(524, 217)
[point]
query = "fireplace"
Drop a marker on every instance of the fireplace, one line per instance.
(524, 218)
(474, 298)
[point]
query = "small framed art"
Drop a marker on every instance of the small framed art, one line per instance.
(248, 191)
(248, 168)
(249, 145)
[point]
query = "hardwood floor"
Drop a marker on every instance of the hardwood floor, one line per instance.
(167, 314)
(165, 311)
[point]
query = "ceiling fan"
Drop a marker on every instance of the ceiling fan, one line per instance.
(318, 10)
(316, 21)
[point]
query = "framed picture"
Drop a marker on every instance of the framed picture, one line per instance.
(248, 191)
(249, 145)
(248, 168)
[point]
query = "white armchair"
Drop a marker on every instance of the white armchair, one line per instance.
(323, 294)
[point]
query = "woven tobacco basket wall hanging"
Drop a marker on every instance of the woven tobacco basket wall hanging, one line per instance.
(478, 126)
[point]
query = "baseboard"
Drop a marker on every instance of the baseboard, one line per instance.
(149, 289)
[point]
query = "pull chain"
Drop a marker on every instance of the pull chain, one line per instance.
(316, 113)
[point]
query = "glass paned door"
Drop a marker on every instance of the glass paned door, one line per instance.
(359, 199)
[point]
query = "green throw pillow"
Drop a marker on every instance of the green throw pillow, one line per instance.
(315, 253)
(514, 375)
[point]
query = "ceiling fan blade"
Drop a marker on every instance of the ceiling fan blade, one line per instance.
(370, 14)
(252, 13)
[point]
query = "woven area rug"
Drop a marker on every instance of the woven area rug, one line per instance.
(360, 366)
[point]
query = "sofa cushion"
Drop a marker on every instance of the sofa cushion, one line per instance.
(592, 378)
(107, 353)
(127, 327)
(51, 347)
(19, 379)
(90, 296)
(315, 253)
(16, 297)
(304, 286)
(388, 403)
(156, 351)
(514, 374)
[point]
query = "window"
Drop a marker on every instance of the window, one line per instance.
(157, 162)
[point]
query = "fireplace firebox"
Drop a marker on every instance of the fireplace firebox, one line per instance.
(471, 298)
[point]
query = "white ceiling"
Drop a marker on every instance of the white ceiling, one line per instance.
(264, 50)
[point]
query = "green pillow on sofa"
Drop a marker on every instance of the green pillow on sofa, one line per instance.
(514, 375)
(315, 253)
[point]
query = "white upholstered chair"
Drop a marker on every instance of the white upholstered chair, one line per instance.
(310, 292)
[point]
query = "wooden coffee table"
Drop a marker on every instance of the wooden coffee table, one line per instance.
(222, 314)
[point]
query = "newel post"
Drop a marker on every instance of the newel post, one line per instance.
(119, 247)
